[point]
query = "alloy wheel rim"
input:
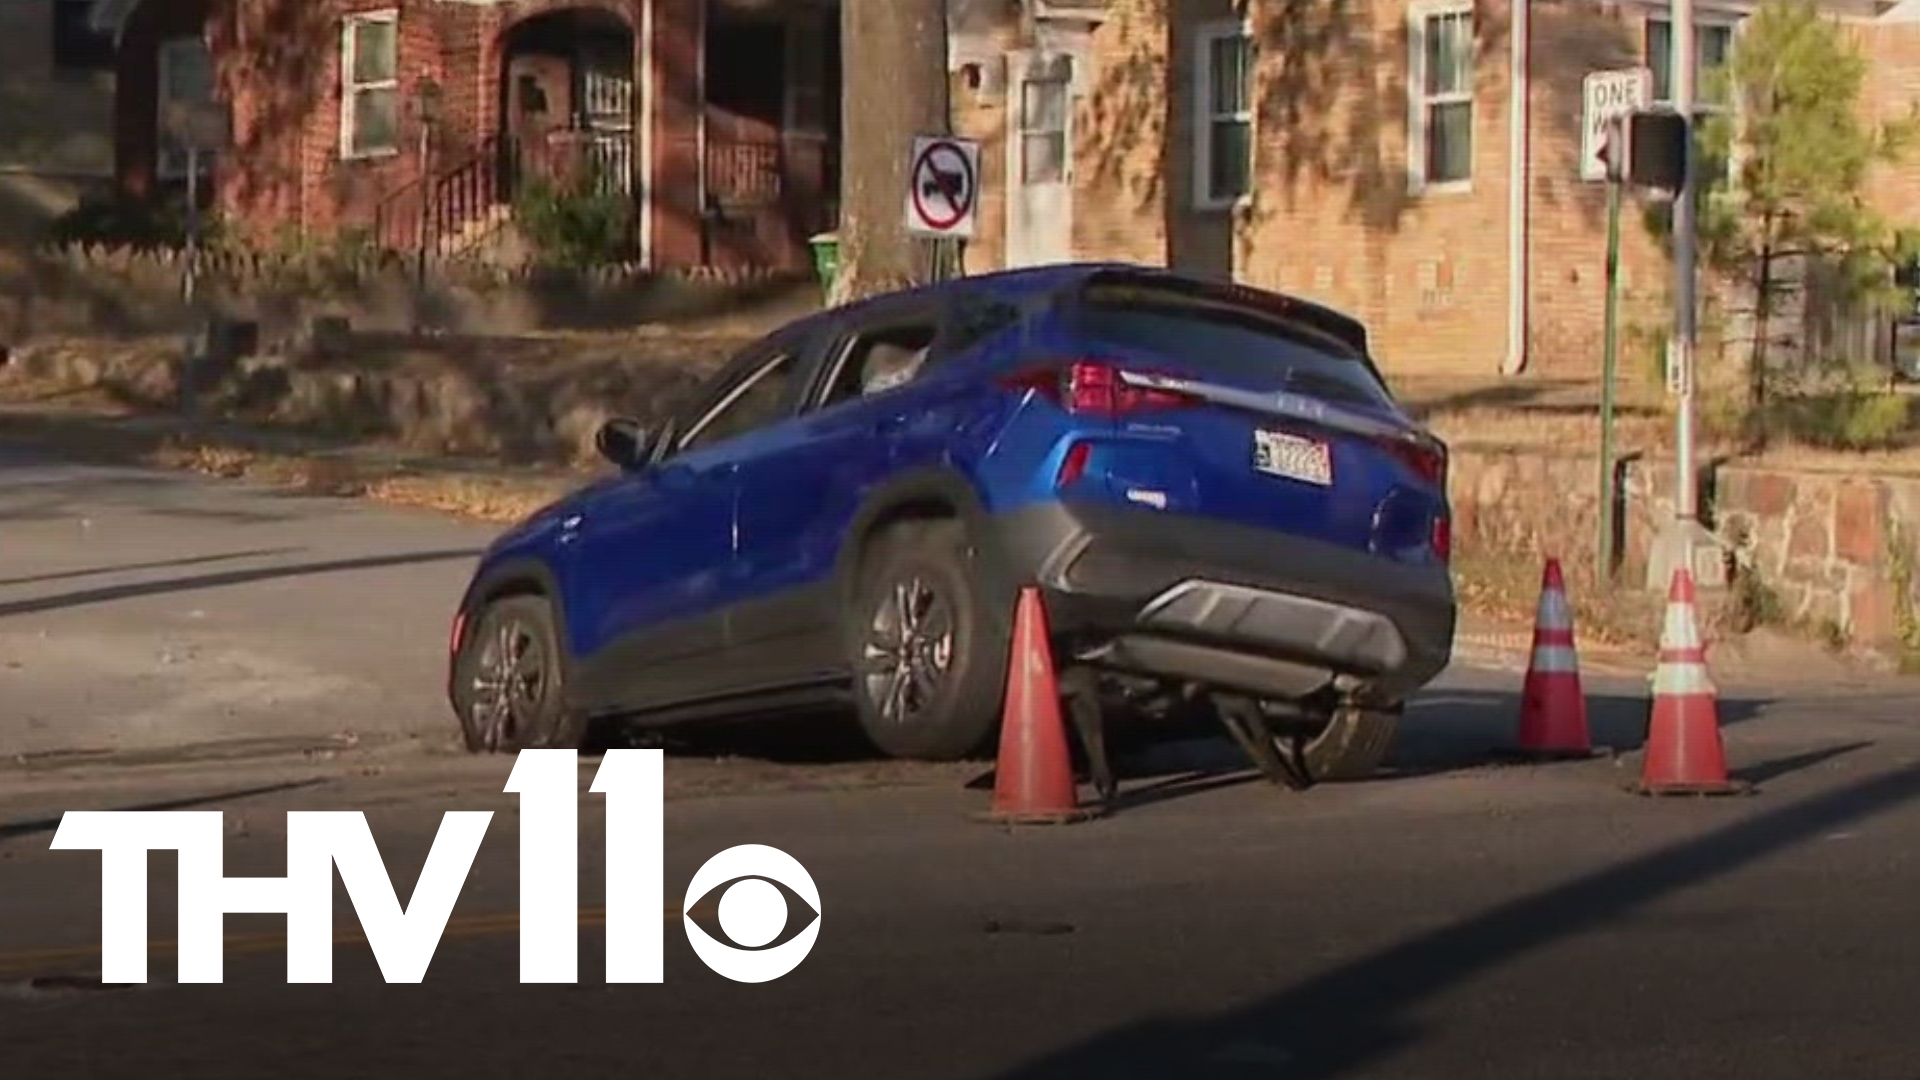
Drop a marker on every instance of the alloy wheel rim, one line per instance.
(909, 649)
(509, 685)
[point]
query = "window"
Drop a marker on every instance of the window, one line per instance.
(752, 403)
(882, 360)
(185, 80)
(77, 46)
(1223, 122)
(1234, 342)
(1440, 89)
(1712, 47)
(977, 317)
(1044, 97)
(370, 85)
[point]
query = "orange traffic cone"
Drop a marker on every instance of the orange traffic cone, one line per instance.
(1033, 779)
(1553, 706)
(1684, 755)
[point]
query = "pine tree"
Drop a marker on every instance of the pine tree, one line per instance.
(1802, 153)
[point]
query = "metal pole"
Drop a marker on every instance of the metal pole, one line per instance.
(190, 367)
(1610, 352)
(1685, 324)
(426, 208)
(1683, 534)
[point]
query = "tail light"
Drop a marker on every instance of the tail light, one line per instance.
(1443, 537)
(455, 634)
(1074, 464)
(1427, 458)
(1095, 388)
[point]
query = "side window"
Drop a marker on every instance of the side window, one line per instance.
(882, 359)
(977, 318)
(752, 403)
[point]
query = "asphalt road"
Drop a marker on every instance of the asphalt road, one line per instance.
(1448, 920)
(143, 610)
(1458, 922)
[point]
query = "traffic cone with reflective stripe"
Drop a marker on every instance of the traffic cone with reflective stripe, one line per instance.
(1684, 754)
(1553, 706)
(1033, 779)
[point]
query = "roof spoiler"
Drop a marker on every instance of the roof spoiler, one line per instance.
(1335, 324)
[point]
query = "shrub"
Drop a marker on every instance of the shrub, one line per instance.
(116, 219)
(576, 225)
(1851, 419)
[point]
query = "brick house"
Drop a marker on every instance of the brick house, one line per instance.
(715, 117)
(1366, 154)
(56, 113)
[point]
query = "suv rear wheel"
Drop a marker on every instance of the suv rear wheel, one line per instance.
(927, 644)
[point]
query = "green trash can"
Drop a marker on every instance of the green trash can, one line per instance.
(826, 261)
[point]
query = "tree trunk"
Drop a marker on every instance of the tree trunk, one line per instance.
(1762, 327)
(894, 87)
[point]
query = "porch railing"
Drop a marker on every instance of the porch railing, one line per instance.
(744, 172)
(449, 211)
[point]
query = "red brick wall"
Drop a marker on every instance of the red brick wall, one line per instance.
(1332, 216)
(676, 144)
(279, 66)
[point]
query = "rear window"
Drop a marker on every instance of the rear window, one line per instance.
(1233, 342)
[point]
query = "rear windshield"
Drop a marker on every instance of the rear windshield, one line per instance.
(1237, 344)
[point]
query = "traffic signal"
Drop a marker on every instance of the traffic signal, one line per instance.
(1657, 154)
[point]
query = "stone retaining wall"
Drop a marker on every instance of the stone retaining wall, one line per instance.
(125, 292)
(1830, 553)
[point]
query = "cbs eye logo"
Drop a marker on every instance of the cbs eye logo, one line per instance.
(752, 913)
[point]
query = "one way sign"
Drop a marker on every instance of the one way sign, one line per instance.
(1609, 94)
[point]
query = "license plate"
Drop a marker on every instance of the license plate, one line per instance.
(1280, 454)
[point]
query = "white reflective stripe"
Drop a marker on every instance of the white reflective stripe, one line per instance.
(1556, 660)
(1682, 679)
(1680, 631)
(1553, 611)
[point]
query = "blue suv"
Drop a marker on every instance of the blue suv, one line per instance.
(1213, 488)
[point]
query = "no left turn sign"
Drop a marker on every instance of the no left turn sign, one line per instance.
(943, 186)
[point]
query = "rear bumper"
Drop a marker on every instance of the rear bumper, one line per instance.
(1247, 609)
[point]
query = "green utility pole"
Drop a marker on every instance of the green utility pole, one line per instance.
(1609, 352)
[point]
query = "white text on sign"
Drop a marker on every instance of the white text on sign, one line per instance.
(404, 940)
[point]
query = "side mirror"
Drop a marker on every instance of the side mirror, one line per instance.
(624, 441)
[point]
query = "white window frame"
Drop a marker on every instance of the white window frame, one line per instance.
(1418, 100)
(165, 168)
(349, 89)
(1735, 24)
(1204, 117)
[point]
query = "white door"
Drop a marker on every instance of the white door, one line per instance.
(1040, 160)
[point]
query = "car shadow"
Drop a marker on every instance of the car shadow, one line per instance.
(223, 579)
(1157, 761)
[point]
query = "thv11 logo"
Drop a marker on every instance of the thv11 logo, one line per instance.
(754, 887)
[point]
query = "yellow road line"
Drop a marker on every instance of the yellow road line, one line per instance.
(497, 924)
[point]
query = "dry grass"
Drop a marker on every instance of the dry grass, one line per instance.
(1563, 416)
(1505, 589)
(477, 496)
